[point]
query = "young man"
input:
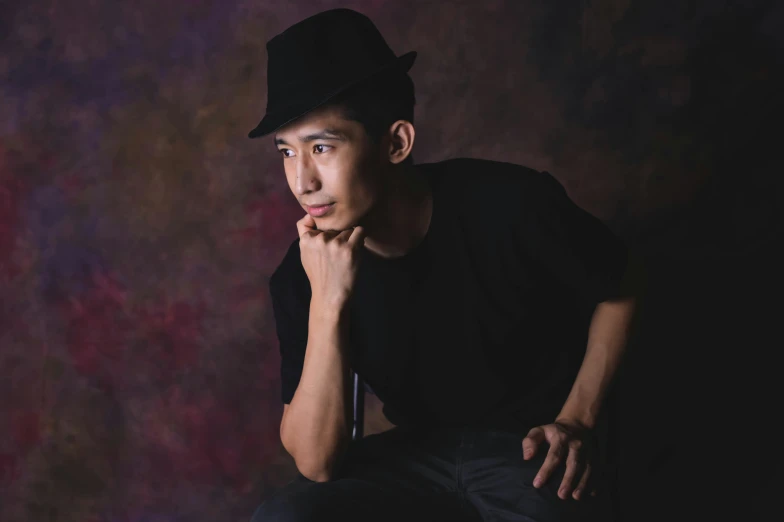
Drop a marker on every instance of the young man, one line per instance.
(483, 307)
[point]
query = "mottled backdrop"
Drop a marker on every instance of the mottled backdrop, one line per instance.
(139, 226)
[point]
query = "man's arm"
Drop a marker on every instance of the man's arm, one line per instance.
(606, 344)
(583, 254)
(607, 338)
(316, 426)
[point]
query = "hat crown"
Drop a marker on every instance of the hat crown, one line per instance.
(315, 59)
(330, 47)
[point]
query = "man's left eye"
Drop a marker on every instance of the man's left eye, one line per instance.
(327, 146)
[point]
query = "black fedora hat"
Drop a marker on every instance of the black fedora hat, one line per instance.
(321, 56)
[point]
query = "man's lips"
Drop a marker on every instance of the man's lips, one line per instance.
(318, 210)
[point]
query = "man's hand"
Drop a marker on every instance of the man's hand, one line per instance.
(330, 259)
(568, 440)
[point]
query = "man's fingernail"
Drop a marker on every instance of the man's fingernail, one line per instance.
(577, 493)
(537, 482)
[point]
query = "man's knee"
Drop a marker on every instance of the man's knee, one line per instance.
(273, 510)
(301, 500)
(280, 508)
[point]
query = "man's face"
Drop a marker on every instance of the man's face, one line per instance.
(330, 160)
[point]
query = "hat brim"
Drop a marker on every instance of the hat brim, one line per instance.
(273, 121)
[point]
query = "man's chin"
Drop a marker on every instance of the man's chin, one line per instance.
(332, 228)
(325, 225)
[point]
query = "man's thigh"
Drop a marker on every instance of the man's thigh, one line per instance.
(386, 476)
(498, 481)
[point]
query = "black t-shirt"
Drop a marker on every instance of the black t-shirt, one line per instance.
(485, 321)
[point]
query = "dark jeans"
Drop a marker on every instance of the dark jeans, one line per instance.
(446, 475)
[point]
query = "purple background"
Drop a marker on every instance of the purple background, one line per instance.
(138, 226)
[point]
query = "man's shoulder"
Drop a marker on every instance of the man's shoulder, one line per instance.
(498, 178)
(466, 163)
(481, 169)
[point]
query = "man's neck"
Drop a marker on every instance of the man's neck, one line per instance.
(404, 215)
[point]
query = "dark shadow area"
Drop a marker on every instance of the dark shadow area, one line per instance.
(698, 399)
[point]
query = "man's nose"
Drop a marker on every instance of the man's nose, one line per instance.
(307, 178)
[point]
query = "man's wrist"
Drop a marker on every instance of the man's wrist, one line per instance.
(328, 309)
(581, 421)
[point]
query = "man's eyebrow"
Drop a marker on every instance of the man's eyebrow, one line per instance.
(325, 134)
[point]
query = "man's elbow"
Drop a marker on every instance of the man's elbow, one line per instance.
(318, 476)
(319, 473)
(316, 470)
(320, 467)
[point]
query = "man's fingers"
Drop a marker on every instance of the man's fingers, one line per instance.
(342, 236)
(578, 491)
(350, 236)
(554, 457)
(532, 441)
(573, 466)
(305, 224)
(357, 237)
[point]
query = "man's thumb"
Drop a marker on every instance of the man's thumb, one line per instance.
(357, 237)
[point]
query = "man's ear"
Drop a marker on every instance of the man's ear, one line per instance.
(401, 140)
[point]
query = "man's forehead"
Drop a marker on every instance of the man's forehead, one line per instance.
(324, 127)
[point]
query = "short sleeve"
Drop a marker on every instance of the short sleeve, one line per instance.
(291, 323)
(576, 247)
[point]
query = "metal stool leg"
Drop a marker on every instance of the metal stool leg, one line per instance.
(359, 406)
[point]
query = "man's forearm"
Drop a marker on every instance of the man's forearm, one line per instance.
(316, 429)
(607, 339)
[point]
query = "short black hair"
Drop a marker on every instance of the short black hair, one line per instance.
(378, 102)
